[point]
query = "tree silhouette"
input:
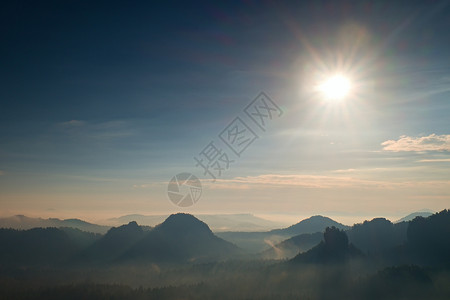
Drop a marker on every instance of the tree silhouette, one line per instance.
(335, 238)
(335, 248)
(428, 239)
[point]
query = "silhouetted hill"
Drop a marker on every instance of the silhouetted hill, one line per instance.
(402, 282)
(377, 235)
(151, 220)
(180, 238)
(310, 225)
(372, 237)
(410, 217)
(81, 238)
(23, 222)
(184, 238)
(292, 246)
(335, 248)
(41, 246)
(260, 241)
(216, 222)
(429, 239)
(113, 244)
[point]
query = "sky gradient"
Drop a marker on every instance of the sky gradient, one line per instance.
(102, 103)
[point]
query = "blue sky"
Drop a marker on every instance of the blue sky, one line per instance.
(102, 103)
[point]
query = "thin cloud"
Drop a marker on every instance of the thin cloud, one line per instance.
(149, 185)
(316, 182)
(308, 181)
(344, 171)
(2, 173)
(435, 160)
(433, 142)
(97, 130)
(74, 123)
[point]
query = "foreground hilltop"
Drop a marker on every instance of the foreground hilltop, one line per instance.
(180, 238)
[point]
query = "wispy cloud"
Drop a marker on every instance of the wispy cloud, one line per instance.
(150, 185)
(97, 130)
(73, 123)
(270, 181)
(2, 173)
(315, 181)
(344, 171)
(431, 142)
(441, 86)
(435, 160)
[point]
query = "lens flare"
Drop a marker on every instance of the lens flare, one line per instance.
(335, 88)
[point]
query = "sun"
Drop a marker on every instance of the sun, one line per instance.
(336, 87)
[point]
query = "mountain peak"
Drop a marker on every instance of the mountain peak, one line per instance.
(181, 237)
(410, 217)
(318, 216)
(182, 222)
(312, 224)
(131, 228)
(181, 216)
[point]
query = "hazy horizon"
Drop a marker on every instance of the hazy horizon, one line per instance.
(283, 220)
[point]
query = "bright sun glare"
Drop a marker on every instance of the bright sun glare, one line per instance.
(335, 88)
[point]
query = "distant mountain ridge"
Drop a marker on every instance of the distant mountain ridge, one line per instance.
(182, 238)
(310, 225)
(413, 215)
(24, 222)
(217, 222)
(372, 237)
(259, 241)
